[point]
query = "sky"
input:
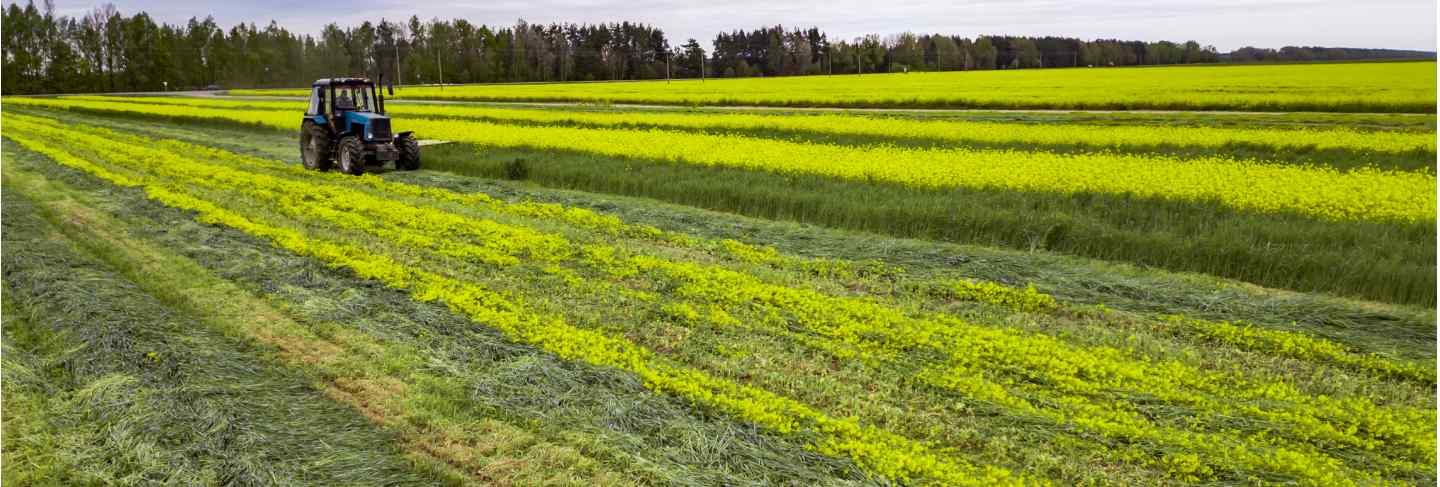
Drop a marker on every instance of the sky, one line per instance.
(1225, 24)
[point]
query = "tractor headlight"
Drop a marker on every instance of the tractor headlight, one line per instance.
(369, 132)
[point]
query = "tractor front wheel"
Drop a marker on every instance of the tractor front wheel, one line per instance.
(409, 153)
(315, 146)
(351, 155)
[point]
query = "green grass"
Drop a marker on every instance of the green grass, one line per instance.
(107, 385)
(881, 394)
(540, 419)
(1387, 262)
(1391, 262)
(1389, 328)
(1338, 87)
(336, 305)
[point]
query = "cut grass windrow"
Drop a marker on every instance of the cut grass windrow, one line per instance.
(551, 249)
(865, 272)
(107, 384)
(877, 451)
(463, 415)
(1066, 379)
(353, 369)
(1374, 260)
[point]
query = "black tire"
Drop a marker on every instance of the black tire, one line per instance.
(350, 155)
(409, 153)
(315, 146)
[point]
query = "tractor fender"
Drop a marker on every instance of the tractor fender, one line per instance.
(405, 133)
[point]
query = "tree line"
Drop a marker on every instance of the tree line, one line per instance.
(106, 51)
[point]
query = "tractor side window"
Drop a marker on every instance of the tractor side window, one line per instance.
(314, 103)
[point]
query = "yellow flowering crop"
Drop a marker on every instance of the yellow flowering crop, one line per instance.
(1028, 376)
(1364, 194)
(940, 131)
(1363, 87)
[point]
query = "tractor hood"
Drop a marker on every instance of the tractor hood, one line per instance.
(363, 118)
(368, 125)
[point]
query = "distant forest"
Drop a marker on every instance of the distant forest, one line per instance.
(106, 50)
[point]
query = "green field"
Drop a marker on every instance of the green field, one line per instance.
(1324, 206)
(1406, 87)
(611, 295)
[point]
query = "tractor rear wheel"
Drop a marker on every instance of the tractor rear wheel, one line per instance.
(315, 146)
(351, 155)
(409, 153)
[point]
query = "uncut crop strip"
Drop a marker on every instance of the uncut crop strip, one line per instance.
(1357, 195)
(1337, 87)
(879, 452)
(948, 132)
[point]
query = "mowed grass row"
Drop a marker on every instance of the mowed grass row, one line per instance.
(370, 256)
(1336, 87)
(1382, 260)
(881, 266)
(1338, 147)
(464, 405)
(106, 384)
(567, 292)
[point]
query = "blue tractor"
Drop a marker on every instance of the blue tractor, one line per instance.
(346, 127)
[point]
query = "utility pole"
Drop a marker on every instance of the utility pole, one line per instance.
(398, 76)
(858, 69)
(702, 65)
(441, 66)
(667, 67)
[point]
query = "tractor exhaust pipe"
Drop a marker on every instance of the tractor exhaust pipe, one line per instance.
(380, 97)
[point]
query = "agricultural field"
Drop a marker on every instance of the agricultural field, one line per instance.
(612, 295)
(1405, 87)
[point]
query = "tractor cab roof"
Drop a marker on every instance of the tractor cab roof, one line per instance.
(342, 81)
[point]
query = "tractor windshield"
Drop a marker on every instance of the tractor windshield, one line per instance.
(352, 97)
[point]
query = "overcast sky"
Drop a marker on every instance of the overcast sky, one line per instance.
(1226, 24)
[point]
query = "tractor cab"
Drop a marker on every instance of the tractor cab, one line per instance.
(346, 123)
(349, 105)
